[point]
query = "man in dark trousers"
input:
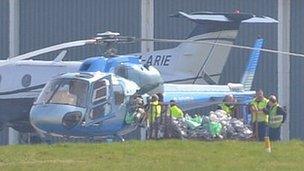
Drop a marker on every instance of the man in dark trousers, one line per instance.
(259, 118)
(276, 116)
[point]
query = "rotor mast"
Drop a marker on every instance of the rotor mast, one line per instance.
(110, 39)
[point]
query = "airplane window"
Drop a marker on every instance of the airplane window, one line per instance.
(26, 80)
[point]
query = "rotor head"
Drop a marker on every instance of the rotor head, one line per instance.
(110, 39)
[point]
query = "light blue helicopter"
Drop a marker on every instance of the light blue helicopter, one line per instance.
(95, 101)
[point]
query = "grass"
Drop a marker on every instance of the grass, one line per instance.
(154, 155)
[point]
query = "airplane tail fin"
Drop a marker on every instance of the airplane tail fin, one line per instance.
(207, 22)
(252, 65)
(201, 63)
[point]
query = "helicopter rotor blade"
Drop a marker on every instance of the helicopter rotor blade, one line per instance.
(127, 39)
(221, 44)
(32, 54)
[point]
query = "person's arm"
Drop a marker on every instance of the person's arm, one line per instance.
(266, 109)
(281, 111)
(252, 108)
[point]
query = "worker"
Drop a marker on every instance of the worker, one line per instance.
(259, 118)
(228, 105)
(277, 116)
(136, 112)
(155, 109)
(175, 111)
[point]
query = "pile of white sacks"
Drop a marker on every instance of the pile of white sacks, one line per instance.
(215, 126)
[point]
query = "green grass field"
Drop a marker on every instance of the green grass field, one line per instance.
(154, 155)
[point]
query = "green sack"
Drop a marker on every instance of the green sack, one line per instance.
(193, 122)
(215, 128)
(129, 118)
(198, 119)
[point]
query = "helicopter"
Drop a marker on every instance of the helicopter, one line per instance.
(22, 78)
(94, 103)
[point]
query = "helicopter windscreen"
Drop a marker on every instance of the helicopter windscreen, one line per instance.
(64, 91)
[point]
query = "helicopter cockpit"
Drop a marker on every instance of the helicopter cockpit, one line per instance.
(64, 91)
(80, 100)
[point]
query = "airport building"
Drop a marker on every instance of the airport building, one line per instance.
(33, 24)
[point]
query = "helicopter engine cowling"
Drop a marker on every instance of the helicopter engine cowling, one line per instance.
(147, 78)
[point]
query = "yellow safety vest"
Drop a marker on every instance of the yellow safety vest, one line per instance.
(155, 111)
(275, 120)
(260, 116)
(176, 112)
(228, 109)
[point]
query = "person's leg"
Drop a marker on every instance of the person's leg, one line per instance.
(255, 130)
(151, 130)
(262, 129)
(279, 134)
(271, 134)
(275, 134)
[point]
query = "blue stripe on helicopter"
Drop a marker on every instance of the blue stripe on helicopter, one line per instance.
(103, 64)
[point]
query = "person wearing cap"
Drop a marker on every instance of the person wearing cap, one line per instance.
(154, 115)
(175, 111)
(276, 116)
(259, 118)
(155, 108)
(228, 105)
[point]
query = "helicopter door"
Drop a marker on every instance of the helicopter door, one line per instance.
(101, 103)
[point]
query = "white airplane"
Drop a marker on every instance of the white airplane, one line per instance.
(95, 104)
(21, 79)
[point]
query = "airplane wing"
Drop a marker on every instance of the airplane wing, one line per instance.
(32, 54)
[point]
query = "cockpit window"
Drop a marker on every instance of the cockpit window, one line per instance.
(65, 91)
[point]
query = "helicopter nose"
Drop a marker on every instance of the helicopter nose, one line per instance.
(54, 118)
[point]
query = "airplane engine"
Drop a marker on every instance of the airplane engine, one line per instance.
(147, 78)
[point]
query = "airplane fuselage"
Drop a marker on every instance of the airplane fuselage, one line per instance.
(20, 85)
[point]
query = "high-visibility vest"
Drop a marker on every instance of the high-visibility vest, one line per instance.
(227, 108)
(275, 120)
(155, 111)
(259, 116)
(176, 112)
